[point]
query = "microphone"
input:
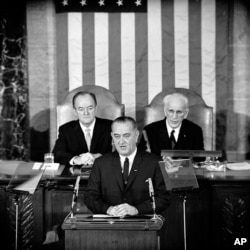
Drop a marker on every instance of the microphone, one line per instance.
(152, 196)
(75, 194)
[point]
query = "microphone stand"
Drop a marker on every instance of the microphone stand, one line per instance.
(152, 196)
(75, 196)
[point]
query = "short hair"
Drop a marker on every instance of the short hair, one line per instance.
(83, 93)
(124, 119)
(167, 98)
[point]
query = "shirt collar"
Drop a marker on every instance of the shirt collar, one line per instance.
(169, 129)
(130, 157)
(91, 127)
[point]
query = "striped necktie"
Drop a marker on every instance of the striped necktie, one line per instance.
(172, 138)
(125, 170)
(88, 138)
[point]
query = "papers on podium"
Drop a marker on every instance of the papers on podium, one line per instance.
(178, 175)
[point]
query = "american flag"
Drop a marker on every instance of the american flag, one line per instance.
(136, 55)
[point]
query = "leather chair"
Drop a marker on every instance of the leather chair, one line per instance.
(199, 112)
(107, 105)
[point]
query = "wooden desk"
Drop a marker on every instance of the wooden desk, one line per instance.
(85, 232)
(216, 213)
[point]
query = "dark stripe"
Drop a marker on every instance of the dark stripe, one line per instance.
(194, 13)
(141, 66)
(222, 57)
(62, 56)
(168, 60)
(88, 49)
(115, 55)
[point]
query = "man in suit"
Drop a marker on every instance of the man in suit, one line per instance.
(174, 132)
(81, 141)
(118, 184)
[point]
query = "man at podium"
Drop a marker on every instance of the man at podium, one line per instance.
(118, 183)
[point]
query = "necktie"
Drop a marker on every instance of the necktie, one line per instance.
(125, 170)
(88, 138)
(172, 138)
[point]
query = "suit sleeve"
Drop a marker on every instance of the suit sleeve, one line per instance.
(62, 154)
(92, 195)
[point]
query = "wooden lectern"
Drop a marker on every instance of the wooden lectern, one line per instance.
(91, 233)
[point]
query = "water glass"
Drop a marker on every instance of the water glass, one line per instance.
(49, 158)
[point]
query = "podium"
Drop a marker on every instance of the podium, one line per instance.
(109, 233)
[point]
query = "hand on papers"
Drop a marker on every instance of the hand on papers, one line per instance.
(122, 210)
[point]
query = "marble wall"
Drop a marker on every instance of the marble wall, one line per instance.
(14, 120)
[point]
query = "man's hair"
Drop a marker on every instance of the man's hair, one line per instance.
(124, 119)
(83, 93)
(167, 98)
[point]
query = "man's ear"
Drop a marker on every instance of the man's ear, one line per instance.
(186, 113)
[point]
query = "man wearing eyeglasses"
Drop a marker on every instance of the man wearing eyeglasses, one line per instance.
(83, 140)
(174, 132)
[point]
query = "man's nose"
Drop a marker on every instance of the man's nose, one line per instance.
(85, 111)
(175, 115)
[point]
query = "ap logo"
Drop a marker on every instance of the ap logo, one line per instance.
(240, 241)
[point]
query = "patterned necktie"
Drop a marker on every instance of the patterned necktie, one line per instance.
(125, 170)
(172, 138)
(88, 138)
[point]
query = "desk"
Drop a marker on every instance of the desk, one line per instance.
(85, 232)
(217, 212)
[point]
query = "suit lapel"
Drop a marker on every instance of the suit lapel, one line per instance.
(182, 136)
(116, 164)
(164, 137)
(96, 134)
(80, 136)
(134, 170)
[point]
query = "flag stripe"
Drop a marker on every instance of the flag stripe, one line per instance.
(101, 50)
(88, 49)
(62, 56)
(195, 45)
(154, 49)
(168, 45)
(141, 48)
(74, 46)
(115, 55)
(208, 52)
(181, 43)
(128, 62)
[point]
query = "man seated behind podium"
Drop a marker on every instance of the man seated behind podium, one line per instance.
(118, 184)
(174, 132)
(81, 141)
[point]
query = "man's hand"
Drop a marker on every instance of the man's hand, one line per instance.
(84, 159)
(122, 210)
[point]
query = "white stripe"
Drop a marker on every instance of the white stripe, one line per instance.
(101, 50)
(208, 41)
(128, 62)
(154, 49)
(75, 49)
(208, 32)
(181, 43)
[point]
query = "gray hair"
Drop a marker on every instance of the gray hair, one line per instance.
(167, 98)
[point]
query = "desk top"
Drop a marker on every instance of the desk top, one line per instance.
(85, 221)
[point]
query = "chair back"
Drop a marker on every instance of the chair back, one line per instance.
(107, 105)
(199, 112)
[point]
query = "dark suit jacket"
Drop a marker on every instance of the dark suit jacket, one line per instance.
(190, 137)
(71, 140)
(105, 186)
